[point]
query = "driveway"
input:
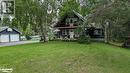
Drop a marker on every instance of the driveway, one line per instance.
(16, 43)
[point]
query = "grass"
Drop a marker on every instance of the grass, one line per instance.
(65, 57)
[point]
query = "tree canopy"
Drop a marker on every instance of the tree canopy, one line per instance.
(32, 18)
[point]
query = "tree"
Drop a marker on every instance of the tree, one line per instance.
(117, 13)
(32, 15)
(68, 7)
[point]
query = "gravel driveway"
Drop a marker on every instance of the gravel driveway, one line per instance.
(16, 43)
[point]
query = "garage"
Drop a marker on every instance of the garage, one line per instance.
(14, 37)
(4, 38)
(9, 35)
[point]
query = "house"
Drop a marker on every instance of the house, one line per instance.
(9, 35)
(95, 31)
(66, 27)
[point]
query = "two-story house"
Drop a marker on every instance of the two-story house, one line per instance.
(68, 25)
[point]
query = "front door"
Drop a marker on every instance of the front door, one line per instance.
(71, 34)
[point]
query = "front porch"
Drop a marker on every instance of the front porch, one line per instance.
(72, 33)
(66, 34)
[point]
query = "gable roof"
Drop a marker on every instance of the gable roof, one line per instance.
(67, 15)
(79, 15)
(5, 28)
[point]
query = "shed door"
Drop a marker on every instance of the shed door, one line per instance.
(14, 37)
(4, 38)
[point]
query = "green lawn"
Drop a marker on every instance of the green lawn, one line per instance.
(65, 57)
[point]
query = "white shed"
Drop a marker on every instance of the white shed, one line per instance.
(9, 35)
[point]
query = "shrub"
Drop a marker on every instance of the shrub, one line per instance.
(126, 44)
(84, 39)
(28, 37)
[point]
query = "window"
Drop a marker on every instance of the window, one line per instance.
(75, 20)
(64, 32)
(98, 32)
(71, 20)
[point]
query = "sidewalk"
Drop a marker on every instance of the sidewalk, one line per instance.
(16, 43)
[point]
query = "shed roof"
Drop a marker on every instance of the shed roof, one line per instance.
(6, 27)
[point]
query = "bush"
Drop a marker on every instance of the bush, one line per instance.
(84, 39)
(28, 37)
(126, 44)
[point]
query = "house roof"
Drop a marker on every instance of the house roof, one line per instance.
(6, 27)
(96, 25)
(79, 15)
(74, 12)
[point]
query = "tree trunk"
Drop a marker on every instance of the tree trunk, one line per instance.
(42, 32)
(106, 32)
